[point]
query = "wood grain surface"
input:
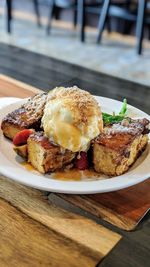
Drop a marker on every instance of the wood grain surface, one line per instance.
(11, 87)
(124, 208)
(78, 237)
(25, 242)
(34, 232)
(46, 73)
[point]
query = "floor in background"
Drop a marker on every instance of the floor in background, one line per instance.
(115, 56)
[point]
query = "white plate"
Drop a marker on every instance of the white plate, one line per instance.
(4, 101)
(10, 164)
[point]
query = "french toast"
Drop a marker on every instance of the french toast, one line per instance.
(46, 156)
(22, 150)
(27, 116)
(117, 148)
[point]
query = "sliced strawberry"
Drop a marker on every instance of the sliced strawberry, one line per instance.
(21, 137)
(81, 163)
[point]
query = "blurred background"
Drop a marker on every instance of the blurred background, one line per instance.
(107, 36)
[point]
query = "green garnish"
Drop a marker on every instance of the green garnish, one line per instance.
(124, 108)
(108, 118)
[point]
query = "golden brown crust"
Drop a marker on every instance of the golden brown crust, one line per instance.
(21, 150)
(45, 156)
(115, 150)
(27, 116)
(39, 137)
(10, 130)
(120, 135)
(111, 162)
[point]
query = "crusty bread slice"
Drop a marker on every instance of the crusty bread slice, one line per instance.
(22, 151)
(119, 146)
(46, 156)
(27, 116)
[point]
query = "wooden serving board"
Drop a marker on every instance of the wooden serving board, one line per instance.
(35, 232)
(124, 208)
(10, 87)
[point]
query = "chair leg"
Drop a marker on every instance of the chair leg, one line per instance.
(36, 7)
(56, 12)
(51, 12)
(9, 15)
(149, 33)
(75, 13)
(140, 25)
(102, 19)
(75, 18)
(108, 24)
(126, 25)
(81, 18)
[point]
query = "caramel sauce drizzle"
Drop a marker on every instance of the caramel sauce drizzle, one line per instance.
(68, 175)
(27, 166)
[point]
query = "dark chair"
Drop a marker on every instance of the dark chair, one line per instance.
(80, 7)
(9, 13)
(56, 6)
(140, 24)
(89, 7)
(137, 15)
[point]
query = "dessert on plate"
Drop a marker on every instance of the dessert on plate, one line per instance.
(66, 129)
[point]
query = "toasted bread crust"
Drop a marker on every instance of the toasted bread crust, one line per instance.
(46, 156)
(119, 146)
(27, 116)
(22, 150)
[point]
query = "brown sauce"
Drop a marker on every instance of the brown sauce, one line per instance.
(68, 175)
(27, 166)
(90, 173)
(75, 175)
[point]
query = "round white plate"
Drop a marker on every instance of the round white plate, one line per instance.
(10, 163)
(4, 101)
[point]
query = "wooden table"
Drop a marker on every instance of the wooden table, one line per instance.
(38, 232)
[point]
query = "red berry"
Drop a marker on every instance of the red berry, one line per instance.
(21, 137)
(81, 163)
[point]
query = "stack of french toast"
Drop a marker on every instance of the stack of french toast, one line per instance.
(111, 152)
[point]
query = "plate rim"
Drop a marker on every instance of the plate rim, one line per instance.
(70, 186)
